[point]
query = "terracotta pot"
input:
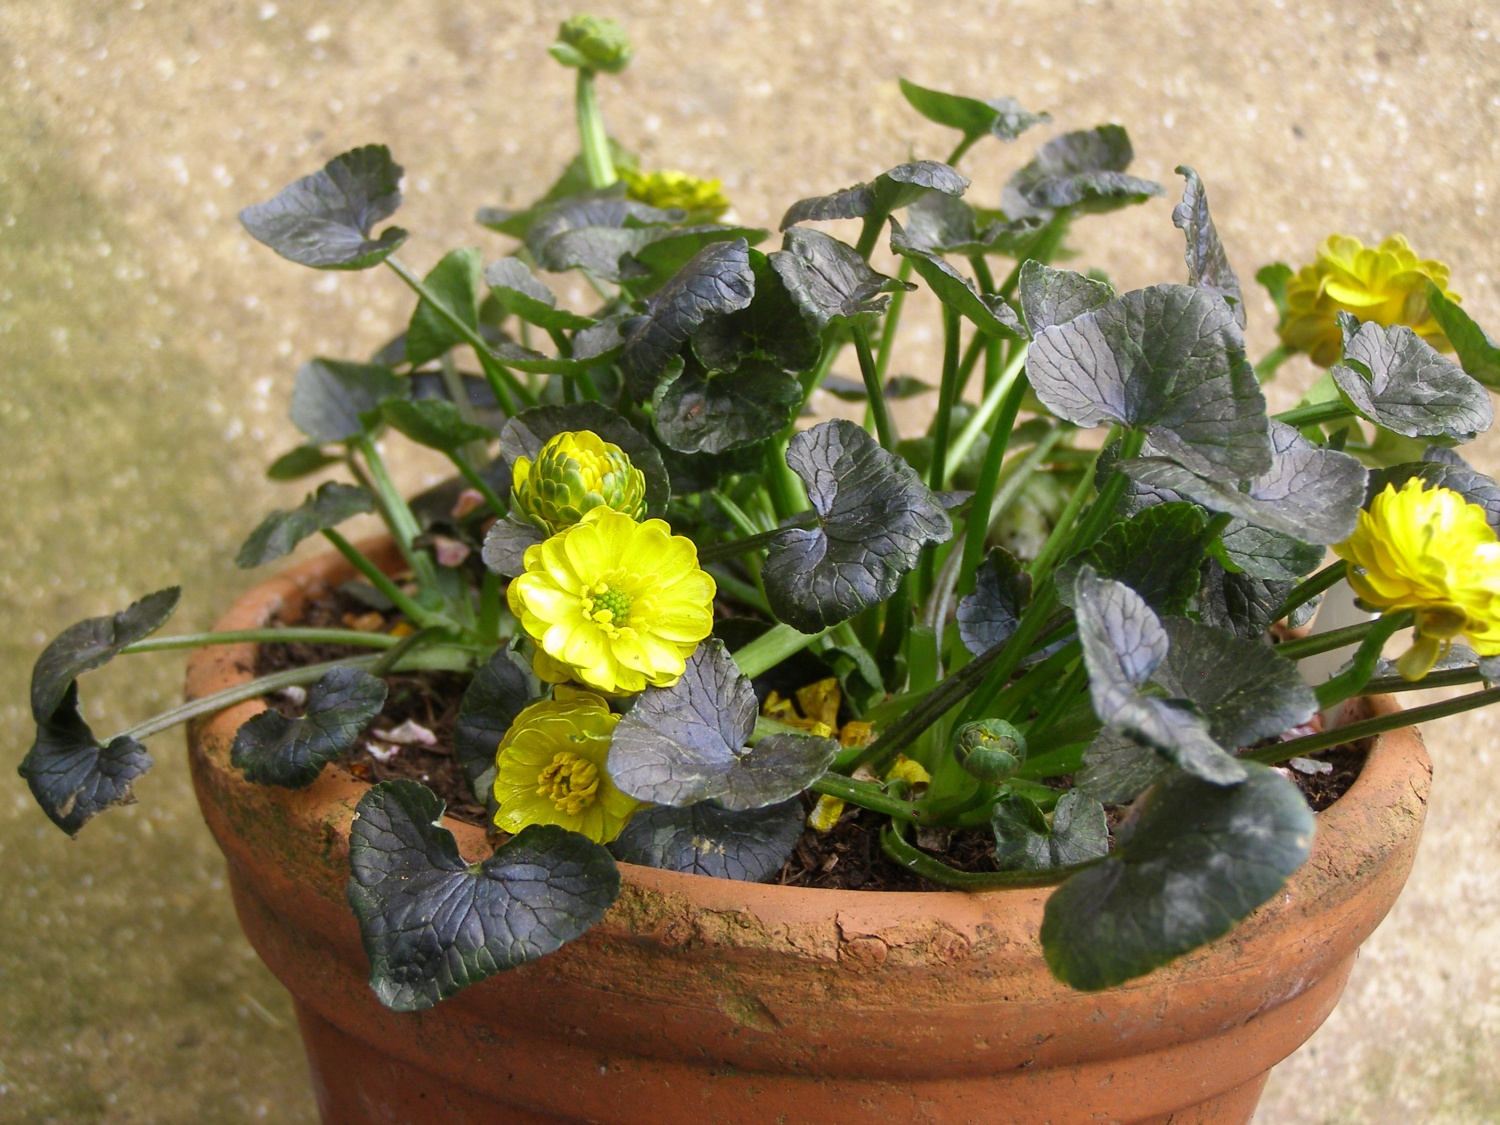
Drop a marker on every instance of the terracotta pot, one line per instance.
(707, 1002)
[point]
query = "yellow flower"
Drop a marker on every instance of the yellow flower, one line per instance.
(667, 189)
(613, 603)
(549, 769)
(1387, 285)
(1428, 550)
(573, 473)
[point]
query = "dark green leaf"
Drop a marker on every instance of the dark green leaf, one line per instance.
(433, 422)
(1050, 296)
(432, 924)
(324, 220)
(1270, 555)
(896, 387)
(990, 314)
(1310, 493)
(92, 644)
(1157, 553)
(1240, 603)
(297, 463)
(942, 224)
(999, 117)
(1170, 359)
(899, 187)
(499, 691)
(455, 282)
(828, 280)
(505, 544)
(706, 839)
(875, 515)
(1085, 170)
(1477, 353)
(1025, 841)
(71, 774)
(526, 433)
(1202, 858)
(1208, 265)
(1274, 278)
(1473, 486)
(513, 285)
(697, 411)
(989, 615)
(331, 398)
(718, 279)
(659, 260)
(272, 749)
(596, 250)
(1395, 378)
(686, 743)
(1117, 769)
(1123, 645)
(571, 183)
(594, 231)
(281, 531)
(771, 327)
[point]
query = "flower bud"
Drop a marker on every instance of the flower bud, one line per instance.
(592, 43)
(991, 749)
(573, 473)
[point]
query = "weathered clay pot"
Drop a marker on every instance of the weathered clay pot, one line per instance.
(706, 1002)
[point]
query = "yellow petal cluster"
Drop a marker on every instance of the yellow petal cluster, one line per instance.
(574, 472)
(550, 769)
(614, 604)
(1386, 285)
(1429, 550)
(667, 189)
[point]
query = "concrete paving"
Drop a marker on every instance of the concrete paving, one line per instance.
(149, 348)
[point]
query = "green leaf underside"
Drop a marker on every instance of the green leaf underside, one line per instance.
(718, 279)
(896, 188)
(1273, 279)
(1169, 359)
(1202, 858)
(433, 422)
(334, 400)
(707, 839)
(991, 315)
(1157, 553)
(455, 281)
(72, 775)
(521, 294)
(1397, 379)
(1025, 841)
(1473, 486)
(1208, 264)
(324, 220)
(297, 463)
(432, 924)
(499, 691)
(91, 644)
(942, 224)
(828, 280)
(684, 744)
(1002, 117)
(272, 749)
(1083, 169)
(1477, 353)
(698, 411)
(875, 515)
(281, 531)
(1123, 644)
(1002, 589)
(1050, 296)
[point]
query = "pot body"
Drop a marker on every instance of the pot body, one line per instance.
(707, 1002)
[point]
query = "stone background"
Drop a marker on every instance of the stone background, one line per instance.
(149, 346)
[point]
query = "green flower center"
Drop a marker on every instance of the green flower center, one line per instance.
(571, 783)
(607, 606)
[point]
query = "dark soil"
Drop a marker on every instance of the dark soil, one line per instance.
(847, 858)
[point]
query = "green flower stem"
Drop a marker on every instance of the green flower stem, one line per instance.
(865, 794)
(746, 592)
(1077, 729)
(444, 658)
(453, 382)
(1450, 677)
(1349, 683)
(717, 552)
(591, 133)
(1310, 588)
(832, 345)
(1071, 689)
(962, 147)
(891, 322)
(508, 390)
(1017, 694)
(895, 845)
(895, 627)
(997, 395)
(480, 485)
(1103, 508)
(1266, 369)
(1366, 728)
(393, 593)
(352, 637)
(738, 516)
(947, 395)
(787, 495)
(1034, 622)
(1008, 398)
(982, 273)
(404, 527)
(771, 648)
(1316, 414)
(1316, 643)
(869, 234)
(874, 389)
(1042, 248)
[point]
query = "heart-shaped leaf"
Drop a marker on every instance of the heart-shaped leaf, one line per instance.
(1208, 264)
(828, 280)
(506, 542)
(1169, 359)
(272, 749)
(594, 231)
(990, 314)
(281, 531)
(698, 411)
(455, 281)
(707, 839)
(874, 517)
(433, 422)
(324, 220)
(1157, 553)
(520, 293)
(1473, 486)
(686, 743)
(1025, 841)
(1085, 169)
(718, 279)
(333, 400)
(1050, 296)
(658, 261)
(499, 691)
(899, 187)
(1310, 493)
(1123, 643)
(1477, 353)
(433, 924)
(1202, 858)
(72, 775)
(999, 117)
(988, 616)
(1240, 604)
(1397, 379)
(771, 328)
(92, 644)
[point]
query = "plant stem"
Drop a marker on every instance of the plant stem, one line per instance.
(378, 579)
(892, 319)
(962, 147)
(1265, 370)
(717, 552)
(896, 847)
(744, 591)
(1317, 643)
(289, 635)
(1311, 588)
(947, 395)
(1449, 677)
(995, 397)
(591, 133)
(1034, 621)
(865, 794)
(1103, 508)
(1351, 681)
(787, 496)
(771, 648)
(1316, 414)
(869, 234)
(873, 388)
(404, 527)
(738, 516)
